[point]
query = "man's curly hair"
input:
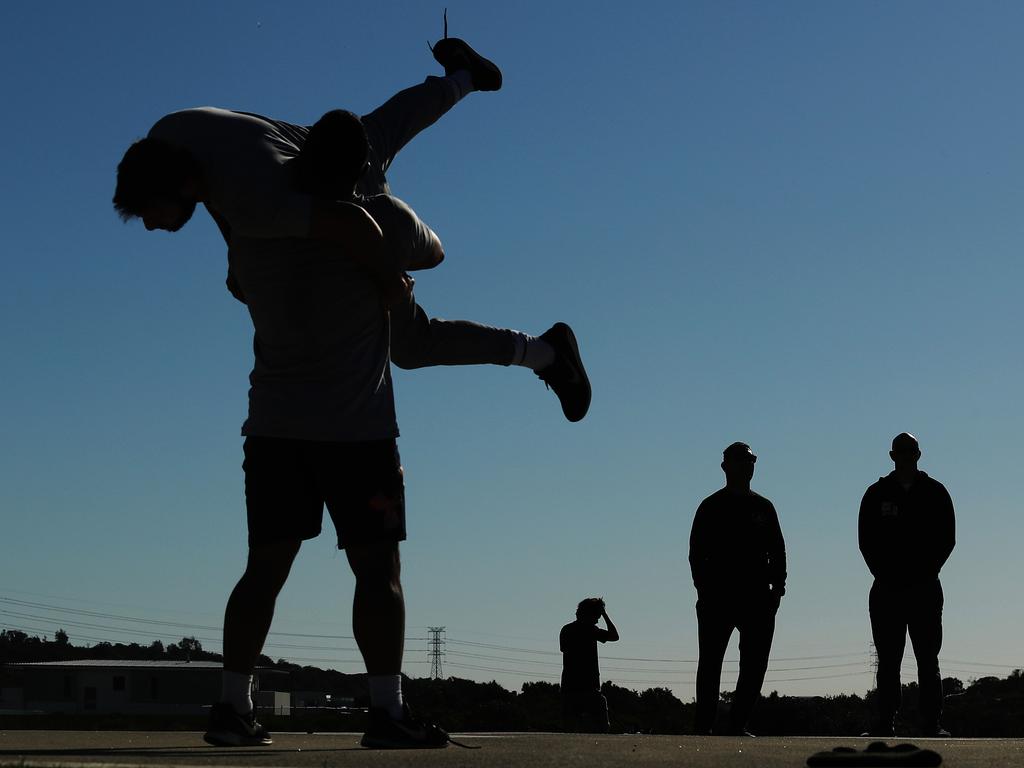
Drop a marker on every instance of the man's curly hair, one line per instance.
(591, 606)
(150, 169)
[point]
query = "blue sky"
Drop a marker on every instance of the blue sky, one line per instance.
(795, 224)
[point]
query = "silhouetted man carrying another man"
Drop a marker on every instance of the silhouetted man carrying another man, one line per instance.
(310, 259)
(738, 563)
(321, 431)
(584, 707)
(247, 170)
(907, 531)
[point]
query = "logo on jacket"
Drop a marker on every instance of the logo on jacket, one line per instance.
(890, 509)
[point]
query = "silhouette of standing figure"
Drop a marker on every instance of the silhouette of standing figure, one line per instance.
(738, 563)
(907, 531)
(584, 708)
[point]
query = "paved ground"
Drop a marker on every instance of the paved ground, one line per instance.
(293, 750)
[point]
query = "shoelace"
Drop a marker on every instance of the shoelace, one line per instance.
(460, 743)
(447, 737)
(431, 727)
(547, 374)
(445, 31)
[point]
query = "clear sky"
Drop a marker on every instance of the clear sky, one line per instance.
(795, 224)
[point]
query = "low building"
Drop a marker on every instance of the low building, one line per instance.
(273, 702)
(320, 700)
(126, 687)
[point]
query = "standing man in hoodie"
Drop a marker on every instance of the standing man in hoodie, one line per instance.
(907, 531)
(738, 563)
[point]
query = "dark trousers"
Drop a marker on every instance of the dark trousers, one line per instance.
(418, 340)
(396, 122)
(585, 712)
(897, 610)
(754, 617)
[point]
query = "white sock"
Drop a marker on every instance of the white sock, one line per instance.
(462, 83)
(236, 689)
(386, 693)
(532, 352)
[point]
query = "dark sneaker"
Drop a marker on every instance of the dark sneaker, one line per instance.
(566, 376)
(410, 732)
(227, 728)
(937, 732)
(454, 54)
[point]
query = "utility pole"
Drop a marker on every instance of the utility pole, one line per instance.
(435, 649)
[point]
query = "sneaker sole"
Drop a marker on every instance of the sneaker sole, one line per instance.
(578, 364)
(488, 70)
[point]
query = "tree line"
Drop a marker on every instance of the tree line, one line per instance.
(989, 706)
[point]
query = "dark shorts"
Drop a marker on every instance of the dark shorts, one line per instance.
(288, 482)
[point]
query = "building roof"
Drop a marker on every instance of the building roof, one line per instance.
(131, 664)
(121, 664)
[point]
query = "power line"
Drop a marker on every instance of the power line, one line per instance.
(504, 647)
(469, 643)
(980, 664)
(534, 651)
(102, 615)
(137, 620)
(157, 622)
(487, 657)
(504, 671)
(504, 655)
(152, 634)
(464, 654)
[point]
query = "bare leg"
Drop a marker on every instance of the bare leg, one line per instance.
(250, 608)
(378, 608)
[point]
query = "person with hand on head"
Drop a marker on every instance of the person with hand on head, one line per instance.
(584, 707)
